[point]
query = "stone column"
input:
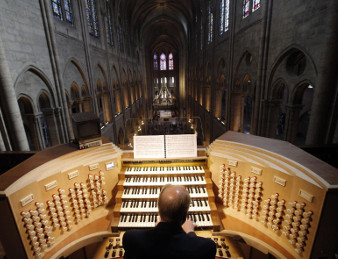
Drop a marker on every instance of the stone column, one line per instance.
(291, 122)
(271, 109)
(51, 125)
(10, 106)
(5, 142)
(2, 144)
(236, 112)
(58, 113)
(47, 18)
(322, 121)
(261, 90)
(39, 131)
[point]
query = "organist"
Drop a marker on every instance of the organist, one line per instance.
(173, 236)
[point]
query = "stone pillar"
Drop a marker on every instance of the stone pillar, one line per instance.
(236, 123)
(10, 106)
(323, 118)
(80, 103)
(5, 142)
(261, 89)
(58, 118)
(49, 115)
(271, 108)
(291, 122)
(48, 18)
(39, 131)
(2, 144)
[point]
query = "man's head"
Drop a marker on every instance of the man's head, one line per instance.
(173, 203)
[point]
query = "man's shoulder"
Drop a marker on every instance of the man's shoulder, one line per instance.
(134, 233)
(201, 240)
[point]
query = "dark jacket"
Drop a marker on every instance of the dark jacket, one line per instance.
(167, 241)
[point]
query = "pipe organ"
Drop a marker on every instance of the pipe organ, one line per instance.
(140, 187)
(266, 193)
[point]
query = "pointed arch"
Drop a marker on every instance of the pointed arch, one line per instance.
(79, 69)
(103, 71)
(30, 81)
(282, 58)
(27, 113)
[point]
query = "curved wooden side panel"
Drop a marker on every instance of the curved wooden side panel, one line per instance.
(63, 200)
(270, 197)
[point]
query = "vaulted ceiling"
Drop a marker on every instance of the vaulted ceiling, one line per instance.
(159, 21)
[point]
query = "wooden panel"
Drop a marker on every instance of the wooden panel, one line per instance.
(290, 181)
(51, 181)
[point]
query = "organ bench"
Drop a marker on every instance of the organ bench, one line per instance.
(269, 193)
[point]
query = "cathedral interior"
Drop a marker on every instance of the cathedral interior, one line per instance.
(154, 67)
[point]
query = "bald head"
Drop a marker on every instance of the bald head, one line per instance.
(173, 203)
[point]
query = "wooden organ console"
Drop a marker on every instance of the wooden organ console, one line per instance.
(265, 192)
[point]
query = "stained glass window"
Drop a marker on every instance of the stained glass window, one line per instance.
(95, 21)
(57, 11)
(68, 11)
(155, 62)
(256, 4)
(210, 24)
(93, 25)
(224, 16)
(109, 27)
(163, 62)
(246, 8)
(171, 61)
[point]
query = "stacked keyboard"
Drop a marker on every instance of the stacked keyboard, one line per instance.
(140, 186)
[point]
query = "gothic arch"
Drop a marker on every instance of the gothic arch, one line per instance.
(27, 113)
(74, 92)
(35, 70)
(84, 91)
(73, 78)
(79, 68)
(242, 68)
(277, 89)
(125, 75)
(33, 89)
(116, 77)
(282, 58)
(298, 91)
(28, 104)
(296, 68)
(44, 100)
(105, 81)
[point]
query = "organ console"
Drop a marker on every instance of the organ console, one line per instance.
(137, 197)
(266, 193)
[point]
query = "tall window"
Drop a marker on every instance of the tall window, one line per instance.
(62, 10)
(119, 32)
(57, 11)
(246, 8)
(224, 16)
(210, 24)
(171, 61)
(93, 25)
(109, 26)
(256, 4)
(68, 11)
(163, 62)
(155, 62)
